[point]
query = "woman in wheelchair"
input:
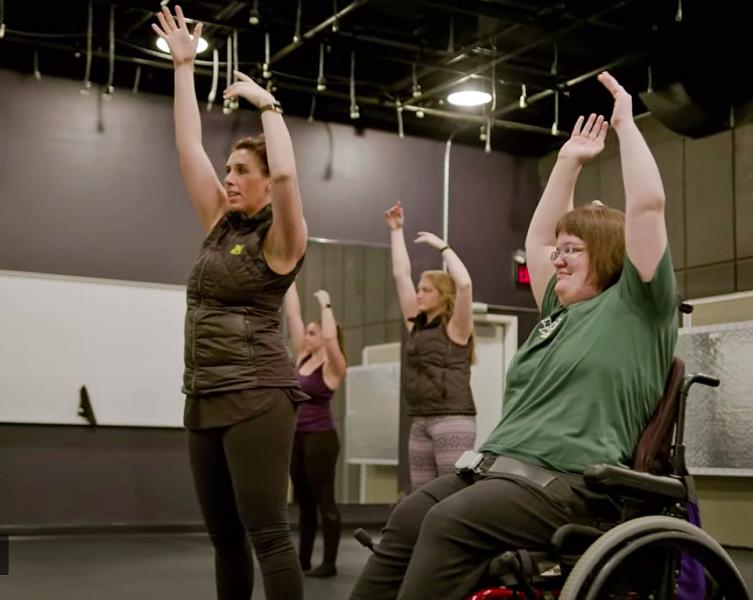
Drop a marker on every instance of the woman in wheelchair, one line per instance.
(579, 391)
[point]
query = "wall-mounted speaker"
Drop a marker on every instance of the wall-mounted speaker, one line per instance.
(676, 109)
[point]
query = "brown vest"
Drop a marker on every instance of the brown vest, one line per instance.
(232, 331)
(437, 371)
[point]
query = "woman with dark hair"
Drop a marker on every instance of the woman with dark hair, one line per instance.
(240, 386)
(438, 314)
(579, 391)
(321, 363)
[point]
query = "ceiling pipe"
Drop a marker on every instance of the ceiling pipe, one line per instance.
(311, 33)
(569, 83)
(476, 119)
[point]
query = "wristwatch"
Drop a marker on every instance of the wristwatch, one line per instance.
(273, 106)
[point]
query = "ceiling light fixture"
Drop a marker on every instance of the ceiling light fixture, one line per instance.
(254, 18)
(354, 112)
(321, 83)
(162, 45)
(469, 98)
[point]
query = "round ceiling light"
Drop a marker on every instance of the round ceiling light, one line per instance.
(162, 45)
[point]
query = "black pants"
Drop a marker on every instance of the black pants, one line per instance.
(241, 478)
(438, 542)
(312, 470)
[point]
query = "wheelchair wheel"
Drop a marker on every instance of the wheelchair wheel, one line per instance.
(591, 573)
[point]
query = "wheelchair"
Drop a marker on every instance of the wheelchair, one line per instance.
(656, 552)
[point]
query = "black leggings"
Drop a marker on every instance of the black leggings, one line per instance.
(439, 540)
(312, 471)
(241, 478)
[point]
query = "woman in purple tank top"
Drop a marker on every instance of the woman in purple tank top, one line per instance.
(321, 368)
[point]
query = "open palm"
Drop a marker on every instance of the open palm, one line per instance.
(586, 140)
(175, 32)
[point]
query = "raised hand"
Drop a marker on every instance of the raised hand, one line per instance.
(322, 296)
(586, 141)
(394, 216)
(182, 43)
(247, 88)
(425, 237)
(623, 102)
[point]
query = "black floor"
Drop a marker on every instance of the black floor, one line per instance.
(165, 567)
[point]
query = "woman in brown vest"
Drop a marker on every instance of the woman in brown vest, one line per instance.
(240, 386)
(438, 314)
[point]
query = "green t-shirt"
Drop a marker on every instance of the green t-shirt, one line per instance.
(585, 383)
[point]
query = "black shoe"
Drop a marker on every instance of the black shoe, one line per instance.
(322, 571)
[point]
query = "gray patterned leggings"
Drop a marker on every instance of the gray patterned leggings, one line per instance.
(436, 443)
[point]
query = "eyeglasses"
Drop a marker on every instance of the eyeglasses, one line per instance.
(567, 252)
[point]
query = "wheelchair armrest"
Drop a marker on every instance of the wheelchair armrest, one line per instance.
(635, 485)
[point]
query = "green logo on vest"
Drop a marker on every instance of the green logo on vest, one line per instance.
(237, 249)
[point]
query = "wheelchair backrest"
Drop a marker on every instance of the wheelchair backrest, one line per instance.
(654, 449)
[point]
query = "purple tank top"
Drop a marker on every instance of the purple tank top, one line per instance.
(315, 414)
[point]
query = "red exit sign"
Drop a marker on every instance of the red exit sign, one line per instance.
(521, 276)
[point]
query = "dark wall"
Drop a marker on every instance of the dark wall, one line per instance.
(66, 476)
(91, 187)
(709, 188)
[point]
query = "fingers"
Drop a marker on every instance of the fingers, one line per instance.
(578, 125)
(163, 23)
(242, 76)
(197, 31)
(180, 17)
(609, 82)
(169, 18)
(159, 31)
(589, 125)
(603, 130)
(595, 130)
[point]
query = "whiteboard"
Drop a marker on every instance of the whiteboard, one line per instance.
(372, 414)
(122, 340)
(488, 378)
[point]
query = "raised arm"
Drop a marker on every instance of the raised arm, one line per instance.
(292, 306)
(460, 326)
(401, 271)
(285, 243)
(204, 187)
(335, 364)
(645, 227)
(586, 142)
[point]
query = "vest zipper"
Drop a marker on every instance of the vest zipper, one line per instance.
(193, 336)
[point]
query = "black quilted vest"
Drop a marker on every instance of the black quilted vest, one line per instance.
(232, 331)
(438, 371)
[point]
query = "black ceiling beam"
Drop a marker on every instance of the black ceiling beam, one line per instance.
(415, 49)
(314, 31)
(446, 114)
(476, 8)
(521, 50)
(470, 47)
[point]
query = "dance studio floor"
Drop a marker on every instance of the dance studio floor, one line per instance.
(165, 567)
